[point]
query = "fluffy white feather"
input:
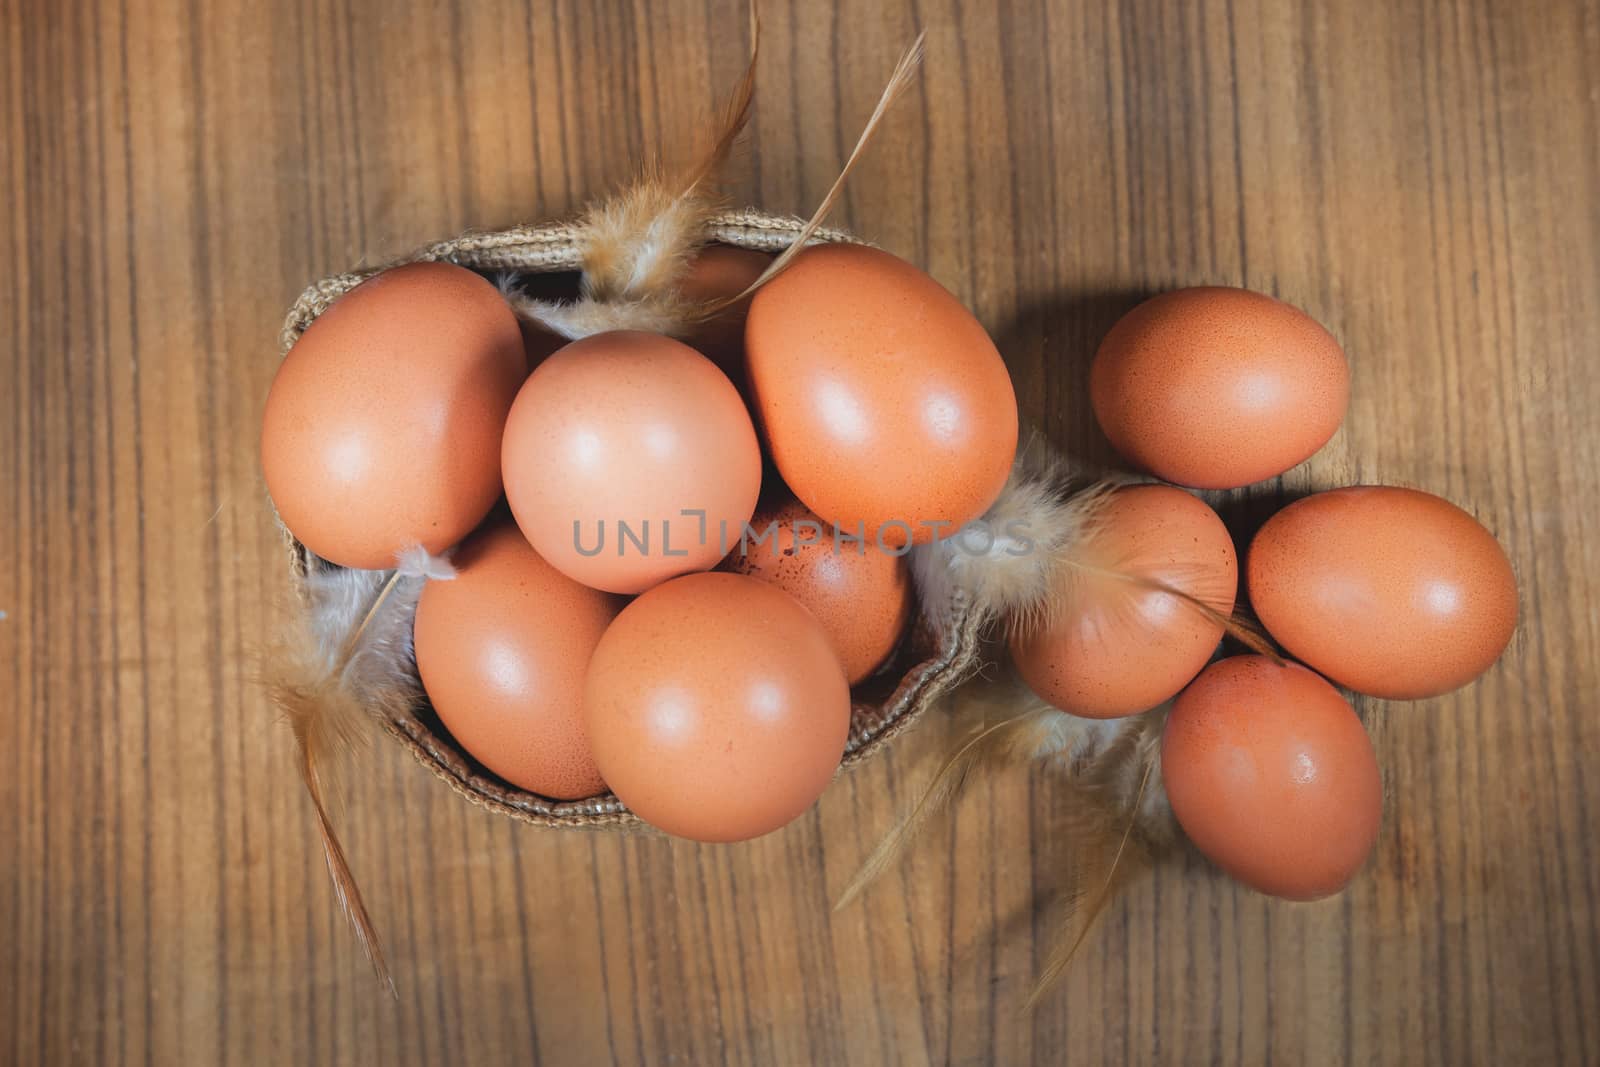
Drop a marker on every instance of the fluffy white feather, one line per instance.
(418, 562)
(1041, 517)
(663, 313)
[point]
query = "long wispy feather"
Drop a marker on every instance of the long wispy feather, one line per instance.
(1053, 555)
(641, 241)
(991, 744)
(348, 663)
(1116, 819)
(735, 117)
(899, 81)
(1012, 727)
(1117, 822)
(1077, 577)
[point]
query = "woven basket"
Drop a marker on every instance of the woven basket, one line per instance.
(939, 653)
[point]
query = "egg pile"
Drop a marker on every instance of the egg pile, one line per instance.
(703, 541)
(674, 558)
(1385, 591)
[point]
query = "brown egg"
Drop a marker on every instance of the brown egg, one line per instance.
(718, 272)
(629, 458)
(1217, 388)
(503, 649)
(717, 707)
(1272, 776)
(382, 427)
(1390, 592)
(860, 593)
(1117, 648)
(884, 403)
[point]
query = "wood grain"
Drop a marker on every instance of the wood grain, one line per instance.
(1420, 175)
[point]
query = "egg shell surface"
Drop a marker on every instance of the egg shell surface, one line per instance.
(860, 593)
(1392, 592)
(1115, 648)
(885, 405)
(717, 707)
(382, 427)
(1217, 388)
(503, 649)
(1273, 777)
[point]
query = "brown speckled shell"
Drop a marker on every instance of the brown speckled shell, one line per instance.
(1347, 579)
(931, 662)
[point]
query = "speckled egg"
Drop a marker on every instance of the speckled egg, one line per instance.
(1391, 592)
(1272, 776)
(860, 593)
(717, 707)
(503, 649)
(382, 428)
(884, 403)
(1112, 647)
(1216, 388)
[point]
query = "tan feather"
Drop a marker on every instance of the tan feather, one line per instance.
(641, 241)
(735, 117)
(992, 745)
(324, 718)
(1012, 727)
(636, 246)
(1118, 824)
(1116, 820)
(1050, 554)
(638, 243)
(1075, 574)
(1090, 896)
(346, 664)
(899, 81)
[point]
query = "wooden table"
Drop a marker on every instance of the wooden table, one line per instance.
(1420, 176)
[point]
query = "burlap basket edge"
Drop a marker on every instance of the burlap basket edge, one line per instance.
(551, 248)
